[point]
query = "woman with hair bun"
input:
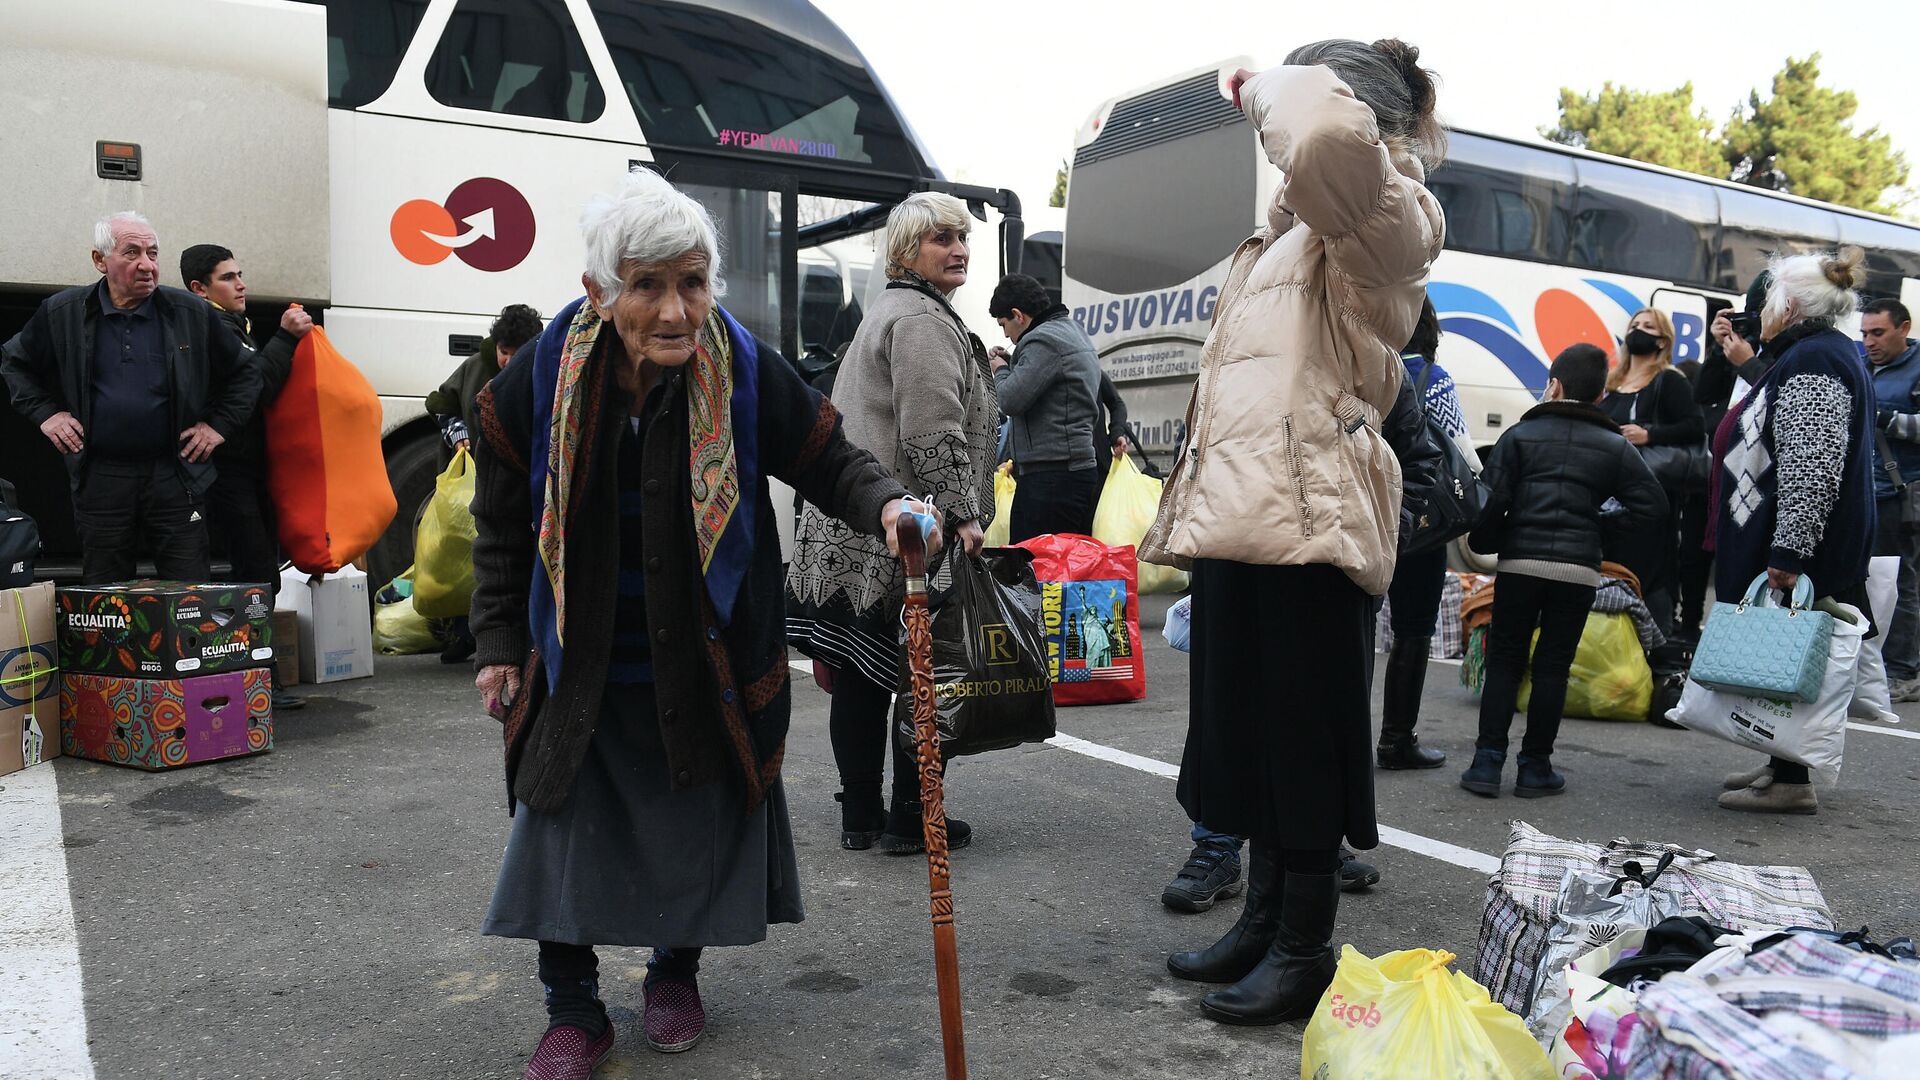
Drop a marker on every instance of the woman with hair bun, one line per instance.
(1793, 465)
(1286, 502)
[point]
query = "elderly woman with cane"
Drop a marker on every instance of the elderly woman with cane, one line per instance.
(629, 619)
(1286, 503)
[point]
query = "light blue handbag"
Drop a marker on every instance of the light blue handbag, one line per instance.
(1761, 650)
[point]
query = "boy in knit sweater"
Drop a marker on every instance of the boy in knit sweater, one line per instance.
(1549, 475)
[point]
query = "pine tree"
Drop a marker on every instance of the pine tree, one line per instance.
(1801, 140)
(1657, 127)
(1059, 196)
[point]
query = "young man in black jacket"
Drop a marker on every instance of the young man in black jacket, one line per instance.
(136, 385)
(239, 504)
(1549, 476)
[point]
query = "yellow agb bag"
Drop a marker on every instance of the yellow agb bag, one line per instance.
(443, 546)
(1128, 504)
(1610, 678)
(1000, 530)
(1405, 1015)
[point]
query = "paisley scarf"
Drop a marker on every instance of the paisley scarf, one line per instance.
(723, 441)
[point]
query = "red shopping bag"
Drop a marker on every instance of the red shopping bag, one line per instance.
(1090, 614)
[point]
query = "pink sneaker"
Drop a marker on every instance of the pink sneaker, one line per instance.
(569, 1053)
(674, 1018)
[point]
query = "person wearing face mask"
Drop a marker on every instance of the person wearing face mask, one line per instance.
(916, 390)
(1793, 472)
(628, 618)
(1654, 406)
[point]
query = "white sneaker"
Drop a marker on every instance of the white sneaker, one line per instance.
(1904, 689)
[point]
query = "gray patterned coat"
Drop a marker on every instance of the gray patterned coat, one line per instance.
(915, 390)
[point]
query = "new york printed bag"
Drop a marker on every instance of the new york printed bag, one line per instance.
(1090, 614)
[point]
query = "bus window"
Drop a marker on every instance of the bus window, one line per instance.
(1165, 192)
(1893, 253)
(1755, 227)
(519, 57)
(365, 41)
(1504, 200)
(700, 78)
(1632, 221)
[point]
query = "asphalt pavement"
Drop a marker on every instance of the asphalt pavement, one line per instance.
(313, 912)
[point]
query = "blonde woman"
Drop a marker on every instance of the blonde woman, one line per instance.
(915, 389)
(1653, 404)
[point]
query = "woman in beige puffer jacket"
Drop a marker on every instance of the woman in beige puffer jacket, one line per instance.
(1285, 502)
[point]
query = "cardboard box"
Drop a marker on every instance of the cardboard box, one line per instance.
(336, 623)
(286, 648)
(165, 629)
(166, 723)
(29, 678)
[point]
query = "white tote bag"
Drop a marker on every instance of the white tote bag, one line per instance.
(1872, 694)
(1813, 733)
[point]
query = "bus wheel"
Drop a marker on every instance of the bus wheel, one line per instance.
(412, 468)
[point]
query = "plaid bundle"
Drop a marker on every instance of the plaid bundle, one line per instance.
(1524, 896)
(1706, 1029)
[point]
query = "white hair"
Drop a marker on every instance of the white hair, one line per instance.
(917, 218)
(106, 227)
(1819, 285)
(647, 220)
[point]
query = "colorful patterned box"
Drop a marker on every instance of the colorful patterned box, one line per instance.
(164, 723)
(29, 678)
(165, 629)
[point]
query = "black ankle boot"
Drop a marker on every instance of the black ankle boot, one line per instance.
(1483, 776)
(906, 835)
(1229, 959)
(1399, 747)
(1287, 983)
(862, 818)
(1537, 779)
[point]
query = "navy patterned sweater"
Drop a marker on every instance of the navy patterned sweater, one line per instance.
(1795, 467)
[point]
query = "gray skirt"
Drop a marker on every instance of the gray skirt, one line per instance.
(629, 861)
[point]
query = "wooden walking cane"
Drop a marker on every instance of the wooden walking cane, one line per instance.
(933, 799)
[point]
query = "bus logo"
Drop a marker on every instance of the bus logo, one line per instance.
(485, 222)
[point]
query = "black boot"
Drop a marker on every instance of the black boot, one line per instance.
(1400, 708)
(862, 817)
(906, 834)
(1483, 776)
(1298, 968)
(1229, 959)
(1537, 779)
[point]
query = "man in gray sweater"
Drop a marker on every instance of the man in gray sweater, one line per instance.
(1050, 389)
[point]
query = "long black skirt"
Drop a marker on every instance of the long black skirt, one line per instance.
(1279, 733)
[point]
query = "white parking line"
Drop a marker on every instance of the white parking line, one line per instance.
(43, 1015)
(1879, 730)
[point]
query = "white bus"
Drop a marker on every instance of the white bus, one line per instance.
(406, 168)
(1545, 246)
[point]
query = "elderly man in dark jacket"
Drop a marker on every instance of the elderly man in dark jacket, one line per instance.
(1050, 389)
(1549, 476)
(136, 385)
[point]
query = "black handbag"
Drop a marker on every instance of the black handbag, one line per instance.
(991, 685)
(1459, 496)
(19, 541)
(1679, 467)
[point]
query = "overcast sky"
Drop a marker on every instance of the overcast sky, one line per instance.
(997, 88)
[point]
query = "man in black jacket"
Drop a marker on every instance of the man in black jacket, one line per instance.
(136, 385)
(1548, 478)
(239, 504)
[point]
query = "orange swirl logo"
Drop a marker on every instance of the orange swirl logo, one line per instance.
(486, 222)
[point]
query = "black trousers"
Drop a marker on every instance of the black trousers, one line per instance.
(1696, 564)
(1521, 602)
(1054, 501)
(123, 507)
(241, 511)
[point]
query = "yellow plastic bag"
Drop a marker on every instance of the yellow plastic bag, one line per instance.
(399, 630)
(443, 546)
(1406, 1015)
(1128, 504)
(1000, 530)
(1610, 679)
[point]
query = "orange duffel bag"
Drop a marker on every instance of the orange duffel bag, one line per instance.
(325, 466)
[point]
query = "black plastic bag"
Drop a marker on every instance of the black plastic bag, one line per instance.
(19, 541)
(991, 687)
